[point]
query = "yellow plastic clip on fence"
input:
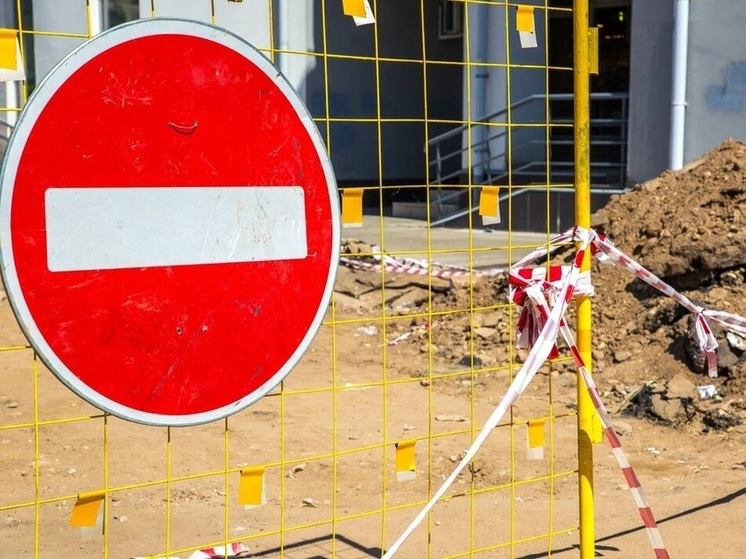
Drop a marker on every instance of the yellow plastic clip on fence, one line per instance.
(593, 47)
(525, 19)
(489, 204)
(355, 8)
(405, 460)
(526, 26)
(8, 58)
(536, 439)
(352, 207)
(251, 491)
(86, 510)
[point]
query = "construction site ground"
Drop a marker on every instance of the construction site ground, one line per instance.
(450, 368)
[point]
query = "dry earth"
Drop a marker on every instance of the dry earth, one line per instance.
(445, 376)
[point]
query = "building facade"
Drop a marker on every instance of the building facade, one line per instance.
(412, 79)
(714, 79)
(304, 34)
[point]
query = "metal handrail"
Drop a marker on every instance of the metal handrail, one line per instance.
(9, 127)
(489, 176)
(483, 145)
(518, 104)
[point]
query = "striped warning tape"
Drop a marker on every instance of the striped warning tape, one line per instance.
(412, 266)
(531, 320)
(232, 551)
(707, 342)
(605, 251)
(436, 270)
(535, 289)
(646, 514)
(544, 345)
(535, 359)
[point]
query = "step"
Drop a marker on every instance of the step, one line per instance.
(572, 142)
(594, 121)
(598, 164)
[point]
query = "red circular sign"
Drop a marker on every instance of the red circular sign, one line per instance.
(170, 223)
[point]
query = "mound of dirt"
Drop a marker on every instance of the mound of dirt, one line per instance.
(685, 227)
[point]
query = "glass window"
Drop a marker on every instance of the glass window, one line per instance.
(119, 11)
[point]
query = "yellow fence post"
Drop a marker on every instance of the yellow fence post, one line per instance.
(586, 411)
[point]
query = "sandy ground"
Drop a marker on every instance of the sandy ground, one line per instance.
(328, 437)
(336, 402)
(478, 248)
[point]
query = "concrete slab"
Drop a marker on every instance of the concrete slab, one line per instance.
(456, 247)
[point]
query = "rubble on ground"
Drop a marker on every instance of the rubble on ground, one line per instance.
(685, 226)
(373, 290)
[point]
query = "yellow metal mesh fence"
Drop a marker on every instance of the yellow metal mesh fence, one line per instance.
(406, 367)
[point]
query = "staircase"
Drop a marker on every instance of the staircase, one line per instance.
(536, 166)
(5, 131)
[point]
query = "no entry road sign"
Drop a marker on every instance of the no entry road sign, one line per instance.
(170, 230)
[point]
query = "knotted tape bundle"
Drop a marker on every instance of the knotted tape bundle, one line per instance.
(605, 251)
(524, 280)
(543, 297)
(526, 284)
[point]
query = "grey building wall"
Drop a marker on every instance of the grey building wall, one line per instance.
(7, 21)
(48, 16)
(396, 86)
(357, 89)
(503, 89)
(716, 76)
(650, 88)
(8, 15)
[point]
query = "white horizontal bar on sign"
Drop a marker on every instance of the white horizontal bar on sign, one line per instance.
(140, 227)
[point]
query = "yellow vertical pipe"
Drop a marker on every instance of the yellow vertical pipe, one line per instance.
(586, 410)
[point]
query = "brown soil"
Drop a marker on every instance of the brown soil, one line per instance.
(450, 367)
(686, 227)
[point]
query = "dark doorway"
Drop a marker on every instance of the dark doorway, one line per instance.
(609, 89)
(613, 20)
(561, 52)
(613, 36)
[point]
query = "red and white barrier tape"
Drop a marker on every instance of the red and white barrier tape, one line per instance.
(400, 268)
(411, 266)
(234, 550)
(643, 508)
(536, 358)
(707, 342)
(524, 280)
(548, 322)
(605, 251)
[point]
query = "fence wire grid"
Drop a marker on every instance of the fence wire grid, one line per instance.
(405, 368)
